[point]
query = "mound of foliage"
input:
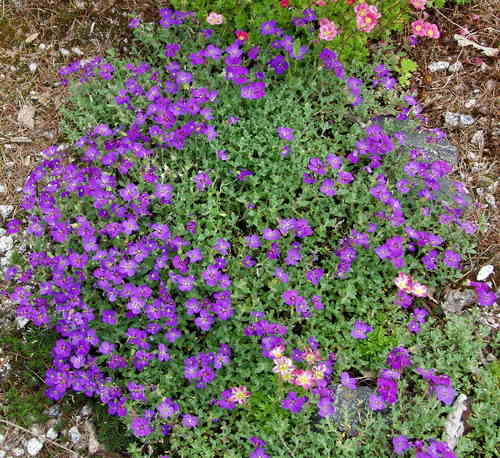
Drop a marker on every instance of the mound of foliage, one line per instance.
(241, 234)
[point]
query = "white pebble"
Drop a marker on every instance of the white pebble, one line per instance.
(470, 103)
(451, 119)
(33, 446)
(455, 67)
(2, 188)
(74, 434)
(438, 66)
(484, 272)
(467, 120)
(32, 66)
(64, 52)
(51, 434)
(6, 210)
(18, 451)
(6, 243)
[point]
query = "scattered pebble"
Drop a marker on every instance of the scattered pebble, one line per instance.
(64, 51)
(2, 188)
(32, 66)
(485, 272)
(455, 67)
(74, 434)
(33, 446)
(438, 66)
(51, 434)
(456, 300)
(2, 454)
(6, 243)
(470, 103)
(2, 438)
(86, 410)
(18, 451)
(21, 322)
(54, 411)
(478, 138)
(77, 51)
(6, 210)
(458, 119)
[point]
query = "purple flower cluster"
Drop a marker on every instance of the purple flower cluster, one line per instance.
(435, 449)
(259, 451)
(440, 385)
(203, 367)
(484, 295)
(293, 402)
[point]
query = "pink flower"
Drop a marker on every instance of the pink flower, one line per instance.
(418, 4)
(215, 19)
(432, 31)
(366, 16)
(418, 27)
(327, 30)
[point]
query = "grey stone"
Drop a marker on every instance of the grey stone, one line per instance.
(441, 150)
(54, 411)
(456, 300)
(452, 119)
(455, 67)
(438, 66)
(6, 210)
(51, 434)
(86, 410)
(6, 243)
(2, 438)
(33, 446)
(74, 434)
(466, 120)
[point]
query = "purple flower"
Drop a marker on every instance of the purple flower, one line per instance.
(398, 358)
(252, 241)
(327, 187)
(414, 326)
(360, 329)
(134, 23)
(189, 421)
(347, 381)
(222, 246)
(452, 259)
(141, 427)
(202, 181)
(400, 444)
(269, 28)
(293, 403)
(279, 64)
(281, 275)
(253, 91)
(285, 133)
(271, 234)
(167, 408)
(375, 402)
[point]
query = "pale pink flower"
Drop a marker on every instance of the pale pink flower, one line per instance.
(320, 2)
(432, 31)
(239, 395)
(418, 27)
(366, 17)
(418, 4)
(215, 19)
(327, 30)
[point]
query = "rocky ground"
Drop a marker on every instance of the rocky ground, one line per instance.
(456, 84)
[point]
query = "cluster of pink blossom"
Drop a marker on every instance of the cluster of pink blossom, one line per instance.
(425, 29)
(327, 29)
(366, 16)
(405, 283)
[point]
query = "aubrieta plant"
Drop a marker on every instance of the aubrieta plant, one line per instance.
(241, 232)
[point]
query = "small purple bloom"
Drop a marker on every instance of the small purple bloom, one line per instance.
(360, 329)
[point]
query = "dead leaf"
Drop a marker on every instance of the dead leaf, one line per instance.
(32, 37)
(25, 116)
(462, 41)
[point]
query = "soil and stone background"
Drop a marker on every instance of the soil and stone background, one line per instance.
(458, 87)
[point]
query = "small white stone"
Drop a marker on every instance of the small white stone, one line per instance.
(86, 410)
(32, 66)
(470, 103)
(2, 438)
(2, 188)
(452, 119)
(51, 434)
(6, 210)
(2, 454)
(21, 322)
(478, 138)
(77, 51)
(33, 446)
(438, 66)
(42, 46)
(64, 52)
(485, 272)
(467, 120)
(455, 67)
(18, 451)
(6, 243)
(74, 434)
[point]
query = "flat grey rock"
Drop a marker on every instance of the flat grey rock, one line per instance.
(456, 300)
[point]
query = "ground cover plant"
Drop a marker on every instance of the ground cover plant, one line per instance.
(348, 25)
(227, 245)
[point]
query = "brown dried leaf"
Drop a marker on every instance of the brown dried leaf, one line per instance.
(25, 116)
